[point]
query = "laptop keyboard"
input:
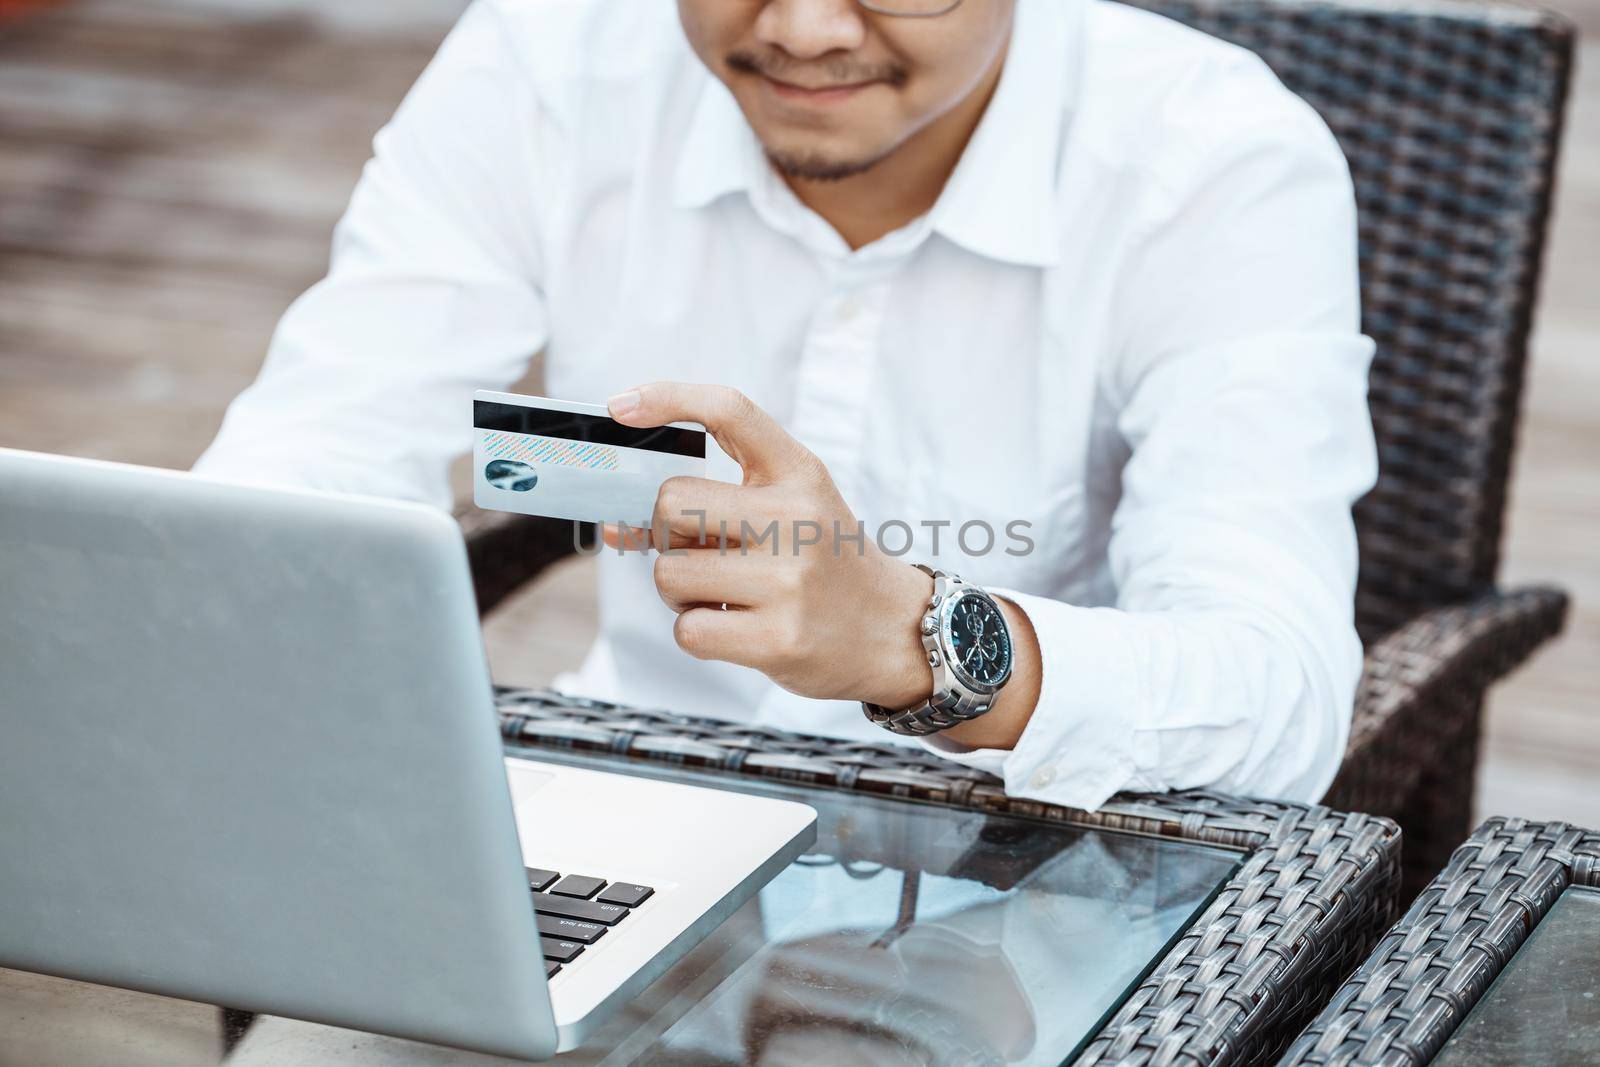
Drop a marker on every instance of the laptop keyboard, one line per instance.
(576, 910)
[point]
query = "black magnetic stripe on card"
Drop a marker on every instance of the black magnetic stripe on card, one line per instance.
(591, 429)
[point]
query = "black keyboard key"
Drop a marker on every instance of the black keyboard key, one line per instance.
(578, 885)
(539, 879)
(571, 908)
(551, 967)
(558, 950)
(570, 929)
(626, 894)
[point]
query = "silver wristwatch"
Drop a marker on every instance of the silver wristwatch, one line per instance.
(969, 651)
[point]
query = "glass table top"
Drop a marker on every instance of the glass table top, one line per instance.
(1544, 1008)
(915, 934)
(911, 934)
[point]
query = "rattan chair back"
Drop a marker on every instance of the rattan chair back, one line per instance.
(1449, 115)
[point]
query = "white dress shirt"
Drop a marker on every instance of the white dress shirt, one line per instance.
(1131, 321)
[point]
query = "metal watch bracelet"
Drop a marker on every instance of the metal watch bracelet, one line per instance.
(949, 706)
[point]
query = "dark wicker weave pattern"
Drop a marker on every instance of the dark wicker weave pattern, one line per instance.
(1462, 930)
(1413, 746)
(1449, 115)
(1315, 889)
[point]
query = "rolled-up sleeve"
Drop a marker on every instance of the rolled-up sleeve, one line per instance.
(1230, 657)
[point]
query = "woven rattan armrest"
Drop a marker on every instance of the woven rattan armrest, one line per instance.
(1443, 658)
(1471, 644)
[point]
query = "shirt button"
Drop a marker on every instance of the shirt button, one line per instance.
(1042, 777)
(849, 310)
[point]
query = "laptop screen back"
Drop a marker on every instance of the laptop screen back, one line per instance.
(248, 757)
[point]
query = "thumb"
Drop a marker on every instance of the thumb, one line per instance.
(752, 438)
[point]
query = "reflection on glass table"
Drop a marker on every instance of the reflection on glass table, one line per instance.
(1544, 1008)
(912, 934)
(919, 935)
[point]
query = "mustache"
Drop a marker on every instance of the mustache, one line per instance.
(837, 71)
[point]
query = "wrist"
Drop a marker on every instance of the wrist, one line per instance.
(897, 673)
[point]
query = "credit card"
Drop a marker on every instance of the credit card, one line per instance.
(566, 460)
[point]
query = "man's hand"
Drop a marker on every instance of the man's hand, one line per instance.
(810, 600)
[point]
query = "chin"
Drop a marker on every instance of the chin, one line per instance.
(819, 167)
(814, 159)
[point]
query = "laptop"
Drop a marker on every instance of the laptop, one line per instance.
(249, 756)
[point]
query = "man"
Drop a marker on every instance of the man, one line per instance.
(1053, 267)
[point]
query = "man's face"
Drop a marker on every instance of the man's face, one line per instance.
(831, 88)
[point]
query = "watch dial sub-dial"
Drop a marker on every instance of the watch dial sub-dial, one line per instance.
(980, 640)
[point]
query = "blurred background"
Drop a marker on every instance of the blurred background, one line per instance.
(170, 171)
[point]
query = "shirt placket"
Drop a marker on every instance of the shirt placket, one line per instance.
(838, 356)
(838, 360)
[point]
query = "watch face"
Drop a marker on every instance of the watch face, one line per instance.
(980, 640)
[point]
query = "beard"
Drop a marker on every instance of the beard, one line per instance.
(812, 167)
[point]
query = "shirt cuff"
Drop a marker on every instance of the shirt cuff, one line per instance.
(1080, 746)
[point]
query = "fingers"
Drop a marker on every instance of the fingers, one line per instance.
(747, 638)
(631, 539)
(763, 449)
(705, 576)
(697, 512)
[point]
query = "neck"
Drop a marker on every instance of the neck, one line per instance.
(905, 184)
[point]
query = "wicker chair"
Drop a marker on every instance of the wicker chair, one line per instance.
(1449, 115)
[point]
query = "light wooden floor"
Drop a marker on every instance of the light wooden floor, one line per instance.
(169, 172)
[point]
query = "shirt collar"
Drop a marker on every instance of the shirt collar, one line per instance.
(720, 153)
(1000, 201)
